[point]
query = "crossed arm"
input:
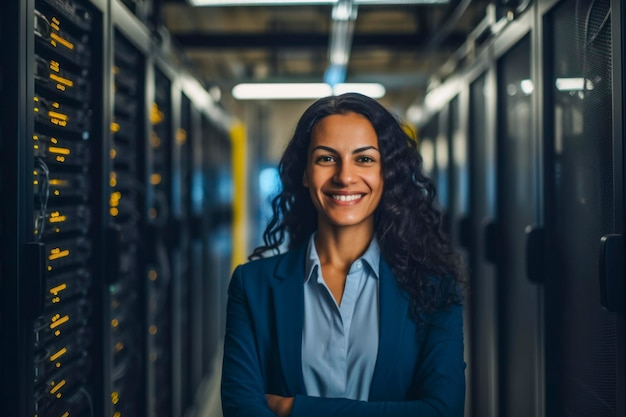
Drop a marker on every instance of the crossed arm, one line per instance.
(440, 374)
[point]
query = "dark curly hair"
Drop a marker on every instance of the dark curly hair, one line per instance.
(406, 221)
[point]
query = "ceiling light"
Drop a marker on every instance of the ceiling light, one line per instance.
(306, 2)
(302, 91)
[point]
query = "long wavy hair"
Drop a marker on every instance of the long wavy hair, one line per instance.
(406, 221)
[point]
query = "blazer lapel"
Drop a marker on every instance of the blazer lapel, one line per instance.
(288, 290)
(394, 312)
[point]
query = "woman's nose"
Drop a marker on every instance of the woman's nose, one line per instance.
(345, 174)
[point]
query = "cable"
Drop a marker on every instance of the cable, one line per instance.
(86, 394)
(43, 193)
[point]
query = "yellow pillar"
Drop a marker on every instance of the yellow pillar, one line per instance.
(240, 195)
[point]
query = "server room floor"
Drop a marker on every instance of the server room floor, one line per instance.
(208, 397)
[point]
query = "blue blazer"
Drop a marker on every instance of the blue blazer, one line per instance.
(418, 372)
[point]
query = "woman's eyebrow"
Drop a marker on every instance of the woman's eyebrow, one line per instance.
(358, 150)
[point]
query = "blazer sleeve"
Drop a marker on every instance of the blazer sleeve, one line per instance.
(243, 388)
(440, 381)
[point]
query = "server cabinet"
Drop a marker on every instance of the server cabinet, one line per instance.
(158, 261)
(520, 343)
(98, 190)
(585, 337)
(482, 246)
(197, 227)
(184, 290)
(126, 293)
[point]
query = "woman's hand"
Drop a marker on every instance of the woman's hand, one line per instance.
(281, 406)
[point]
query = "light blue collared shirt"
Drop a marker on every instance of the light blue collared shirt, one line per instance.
(340, 342)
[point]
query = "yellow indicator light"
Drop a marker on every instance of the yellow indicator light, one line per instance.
(156, 115)
(60, 254)
(115, 323)
(155, 179)
(35, 137)
(35, 182)
(59, 321)
(66, 414)
(56, 192)
(181, 136)
(49, 268)
(56, 300)
(36, 147)
(112, 153)
(59, 219)
(60, 158)
(36, 98)
(64, 42)
(57, 115)
(54, 65)
(56, 149)
(57, 355)
(119, 346)
(58, 182)
(117, 414)
(115, 127)
(115, 397)
(56, 387)
(57, 333)
(113, 211)
(54, 140)
(152, 329)
(155, 141)
(152, 275)
(56, 290)
(62, 80)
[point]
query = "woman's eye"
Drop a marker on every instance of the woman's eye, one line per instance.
(325, 158)
(365, 159)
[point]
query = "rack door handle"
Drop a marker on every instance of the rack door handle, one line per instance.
(535, 254)
(612, 273)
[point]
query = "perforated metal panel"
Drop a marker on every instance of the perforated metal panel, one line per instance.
(582, 360)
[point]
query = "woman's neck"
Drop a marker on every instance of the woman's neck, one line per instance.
(340, 247)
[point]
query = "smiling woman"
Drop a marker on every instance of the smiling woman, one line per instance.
(362, 316)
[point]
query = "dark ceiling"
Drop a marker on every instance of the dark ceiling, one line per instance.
(399, 46)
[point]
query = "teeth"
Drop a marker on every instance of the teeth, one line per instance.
(347, 197)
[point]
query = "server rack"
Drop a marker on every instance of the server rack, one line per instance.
(547, 337)
(93, 215)
(126, 202)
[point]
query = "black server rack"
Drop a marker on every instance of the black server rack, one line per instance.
(159, 272)
(126, 294)
(66, 186)
(183, 139)
(544, 100)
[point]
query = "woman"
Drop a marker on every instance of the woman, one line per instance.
(362, 316)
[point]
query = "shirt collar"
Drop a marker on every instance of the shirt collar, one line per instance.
(371, 257)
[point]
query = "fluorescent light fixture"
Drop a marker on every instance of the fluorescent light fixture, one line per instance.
(222, 3)
(573, 84)
(302, 91)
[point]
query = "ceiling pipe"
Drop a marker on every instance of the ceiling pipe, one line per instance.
(342, 30)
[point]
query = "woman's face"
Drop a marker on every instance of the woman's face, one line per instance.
(344, 172)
